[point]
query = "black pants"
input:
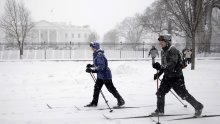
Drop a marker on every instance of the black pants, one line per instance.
(153, 60)
(109, 85)
(178, 86)
(188, 60)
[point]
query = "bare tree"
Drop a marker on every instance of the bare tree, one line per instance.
(216, 23)
(158, 19)
(187, 12)
(93, 37)
(130, 30)
(16, 22)
(111, 37)
(205, 32)
(154, 18)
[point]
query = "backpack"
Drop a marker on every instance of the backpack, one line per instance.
(182, 62)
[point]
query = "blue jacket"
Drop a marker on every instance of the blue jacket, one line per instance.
(101, 65)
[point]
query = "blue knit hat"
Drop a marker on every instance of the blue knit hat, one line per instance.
(95, 45)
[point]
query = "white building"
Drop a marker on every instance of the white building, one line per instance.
(2, 36)
(44, 31)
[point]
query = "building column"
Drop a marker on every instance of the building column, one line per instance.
(48, 36)
(57, 37)
(39, 36)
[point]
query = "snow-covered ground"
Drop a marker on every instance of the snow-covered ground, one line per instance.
(26, 87)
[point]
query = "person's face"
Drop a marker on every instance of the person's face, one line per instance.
(93, 49)
(162, 43)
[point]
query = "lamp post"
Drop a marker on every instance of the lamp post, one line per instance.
(143, 48)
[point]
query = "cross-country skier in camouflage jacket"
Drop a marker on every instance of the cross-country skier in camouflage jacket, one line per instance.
(172, 78)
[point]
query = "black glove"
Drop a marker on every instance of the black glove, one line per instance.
(89, 70)
(157, 75)
(89, 65)
(157, 66)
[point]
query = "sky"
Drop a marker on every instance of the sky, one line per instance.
(101, 15)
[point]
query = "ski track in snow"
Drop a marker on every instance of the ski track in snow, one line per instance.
(27, 87)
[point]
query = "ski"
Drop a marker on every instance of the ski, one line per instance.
(122, 107)
(77, 108)
(55, 107)
(144, 116)
(117, 107)
(195, 117)
(49, 106)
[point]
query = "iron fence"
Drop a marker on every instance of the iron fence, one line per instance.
(69, 50)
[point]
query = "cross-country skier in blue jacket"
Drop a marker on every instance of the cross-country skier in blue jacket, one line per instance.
(104, 76)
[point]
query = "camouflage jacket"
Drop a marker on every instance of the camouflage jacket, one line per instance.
(169, 62)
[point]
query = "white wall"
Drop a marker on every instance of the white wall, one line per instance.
(2, 3)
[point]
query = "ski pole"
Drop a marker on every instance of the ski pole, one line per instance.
(93, 77)
(158, 116)
(177, 98)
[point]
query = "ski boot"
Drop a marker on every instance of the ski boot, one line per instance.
(91, 104)
(156, 113)
(121, 102)
(198, 111)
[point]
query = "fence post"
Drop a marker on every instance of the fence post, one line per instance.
(120, 48)
(70, 49)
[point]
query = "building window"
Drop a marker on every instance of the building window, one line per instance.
(78, 35)
(66, 35)
(85, 35)
(72, 35)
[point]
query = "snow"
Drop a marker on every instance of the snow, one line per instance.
(26, 87)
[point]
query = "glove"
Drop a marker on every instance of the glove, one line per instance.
(157, 66)
(157, 75)
(89, 65)
(89, 70)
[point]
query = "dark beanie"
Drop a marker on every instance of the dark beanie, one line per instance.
(95, 45)
(165, 37)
